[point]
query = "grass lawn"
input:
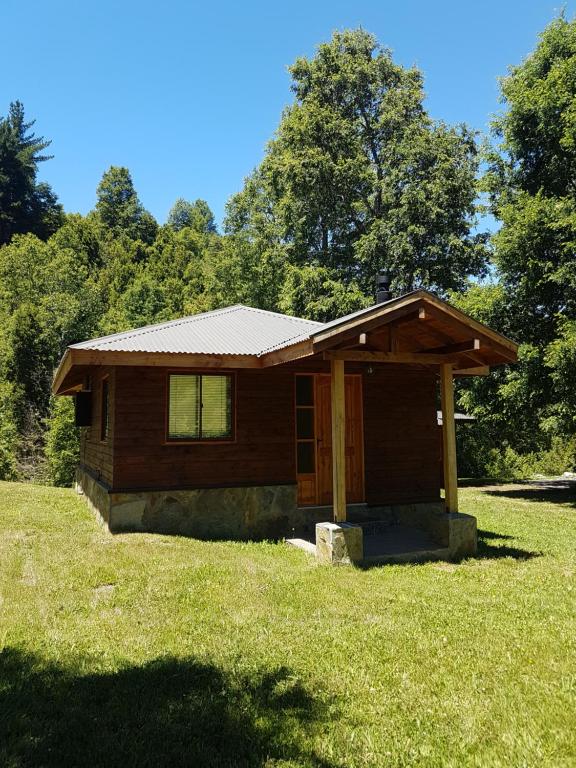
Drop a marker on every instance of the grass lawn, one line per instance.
(148, 650)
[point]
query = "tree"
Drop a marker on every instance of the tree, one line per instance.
(25, 204)
(196, 215)
(358, 178)
(119, 209)
(530, 183)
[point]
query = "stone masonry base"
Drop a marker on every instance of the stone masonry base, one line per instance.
(252, 513)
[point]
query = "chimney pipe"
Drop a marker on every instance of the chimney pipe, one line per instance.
(383, 292)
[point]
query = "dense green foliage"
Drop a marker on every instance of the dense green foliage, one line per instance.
(530, 183)
(149, 650)
(357, 178)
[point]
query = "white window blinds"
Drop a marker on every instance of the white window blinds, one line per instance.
(200, 407)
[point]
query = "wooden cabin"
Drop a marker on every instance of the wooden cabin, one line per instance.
(242, 423)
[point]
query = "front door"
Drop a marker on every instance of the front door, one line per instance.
(314, 439)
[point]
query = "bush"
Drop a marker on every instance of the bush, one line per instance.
(62, 442)
(560, 458)
(505, 464)
(8, 433)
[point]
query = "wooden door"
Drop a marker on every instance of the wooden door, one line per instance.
(314, 440)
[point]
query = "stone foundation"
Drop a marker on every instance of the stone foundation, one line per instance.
(339, 543)
(262, 512)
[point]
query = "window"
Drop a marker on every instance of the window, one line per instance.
(305, 432)
(200, 407)
(104, 411)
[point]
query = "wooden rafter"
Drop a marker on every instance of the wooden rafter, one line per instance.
(411, 358)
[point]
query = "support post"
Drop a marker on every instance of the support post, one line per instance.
(338, 440)
(449, 438)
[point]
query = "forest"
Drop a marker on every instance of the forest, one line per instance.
(358, 178)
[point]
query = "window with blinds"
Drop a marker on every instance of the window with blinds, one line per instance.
(200, 407)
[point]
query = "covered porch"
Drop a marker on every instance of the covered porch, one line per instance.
(418, 333)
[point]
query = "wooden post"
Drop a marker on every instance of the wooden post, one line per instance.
(449, 438)
(338, 440)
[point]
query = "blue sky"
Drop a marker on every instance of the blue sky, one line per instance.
(187, 94)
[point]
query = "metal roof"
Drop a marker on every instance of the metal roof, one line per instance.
(235, 330)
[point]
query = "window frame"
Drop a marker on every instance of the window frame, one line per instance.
(199, 440)
(104, 423)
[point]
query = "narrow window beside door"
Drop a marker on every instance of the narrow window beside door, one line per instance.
(200, 407)
(104, 411)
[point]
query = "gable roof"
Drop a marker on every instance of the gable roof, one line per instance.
(240, 336)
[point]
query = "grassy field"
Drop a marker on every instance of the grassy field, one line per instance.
(145, 650)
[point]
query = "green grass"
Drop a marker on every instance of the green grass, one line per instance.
(137, 650)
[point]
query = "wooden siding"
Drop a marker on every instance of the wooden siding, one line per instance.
(262, 453)
(401, 440)
(402, 446)
(96, 454)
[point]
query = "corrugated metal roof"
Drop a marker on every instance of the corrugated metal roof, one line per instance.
(235, 330)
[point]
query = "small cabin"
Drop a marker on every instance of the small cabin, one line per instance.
(247, 424)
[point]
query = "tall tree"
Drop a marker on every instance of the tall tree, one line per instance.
(26, 205)
(359, 178)
(530, 182)
(119, 208)
(532, 185)
(196, 215)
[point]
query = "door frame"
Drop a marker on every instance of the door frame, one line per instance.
(313, 477)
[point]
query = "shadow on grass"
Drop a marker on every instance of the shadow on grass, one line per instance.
(551, 493)
(489, 551)
(169, 712)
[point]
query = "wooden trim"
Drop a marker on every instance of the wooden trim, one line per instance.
(285, 355)
(404, 310)
(165, 359)
(462, 346)
(62, 371)
(449, 438)
(480, 370)
(171, 441)
(410, 358)
(500, 344)
(338, 392)
(366, 322)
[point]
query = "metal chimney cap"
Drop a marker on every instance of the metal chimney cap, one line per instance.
(383, 292)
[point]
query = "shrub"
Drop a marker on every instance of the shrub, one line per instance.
(505, 464)
(8, 433)
(561, 457)
(62, 442)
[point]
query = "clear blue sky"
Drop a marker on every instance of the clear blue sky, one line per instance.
(187, 94)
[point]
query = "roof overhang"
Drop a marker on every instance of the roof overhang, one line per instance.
(418, 329)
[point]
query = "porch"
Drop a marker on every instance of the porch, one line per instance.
(387, 535)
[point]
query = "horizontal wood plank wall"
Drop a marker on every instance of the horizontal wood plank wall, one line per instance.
(263, 453)
(401, 437)
(402, 446)
(98, 454)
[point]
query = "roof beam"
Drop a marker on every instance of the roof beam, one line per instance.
(410, 358)
(500, 344)
(461, 346)
(405, 312)
(480, 370)
(286, 354)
